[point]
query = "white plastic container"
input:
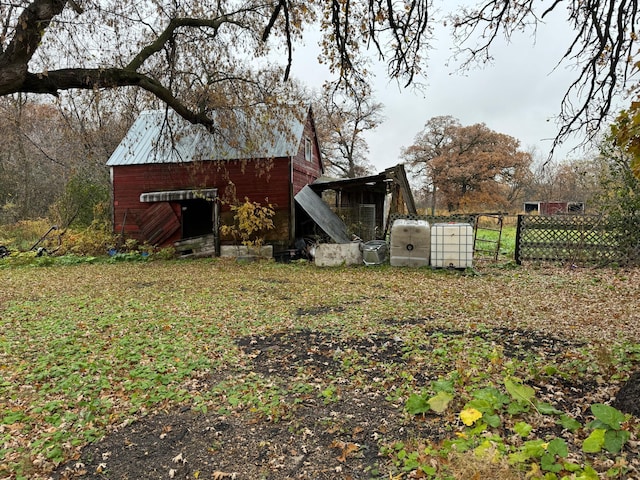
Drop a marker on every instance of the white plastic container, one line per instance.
(451, 245)
(410, 243)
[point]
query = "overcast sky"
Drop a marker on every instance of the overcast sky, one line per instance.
(518, 95)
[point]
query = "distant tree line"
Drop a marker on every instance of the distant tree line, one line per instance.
(474, 169)
(52, 161)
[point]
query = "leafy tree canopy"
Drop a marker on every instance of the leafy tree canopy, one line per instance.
(469, 166)
(626, 135)
(195, 55)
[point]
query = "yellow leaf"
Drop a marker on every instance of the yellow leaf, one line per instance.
(469, 416)
(635, 166)
(534, 472)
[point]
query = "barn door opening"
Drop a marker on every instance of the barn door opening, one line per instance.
(197, 218)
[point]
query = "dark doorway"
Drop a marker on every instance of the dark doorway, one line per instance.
(197, 218)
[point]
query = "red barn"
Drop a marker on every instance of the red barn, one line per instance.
(173, 180)
(554, 208)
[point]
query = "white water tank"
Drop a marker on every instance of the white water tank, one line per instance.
(409, 241)
(451, 245)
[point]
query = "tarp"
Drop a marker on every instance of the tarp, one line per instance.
(322, 215)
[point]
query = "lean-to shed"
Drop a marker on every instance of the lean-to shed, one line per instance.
(173, 180)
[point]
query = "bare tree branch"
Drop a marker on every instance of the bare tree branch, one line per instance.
(603, 48)
(32, 23)
(87, 79)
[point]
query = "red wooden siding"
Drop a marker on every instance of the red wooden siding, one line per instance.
(274, 181)
(306, 172)
(260, 181)
(159, 222)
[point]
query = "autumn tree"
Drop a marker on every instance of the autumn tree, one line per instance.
(54, 156)
(469, 167)
(341, 118)
(196, 55)
(620, 198)
(625, 134)
(192, 55)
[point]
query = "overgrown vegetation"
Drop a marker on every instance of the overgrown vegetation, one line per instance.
(456, 374)
(620, 199)
(251, 221)
(38, 242)
(83, 203)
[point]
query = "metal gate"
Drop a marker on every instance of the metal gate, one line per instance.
(487, 236)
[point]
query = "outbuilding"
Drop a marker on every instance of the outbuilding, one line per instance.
(554, 208)
(174, 181)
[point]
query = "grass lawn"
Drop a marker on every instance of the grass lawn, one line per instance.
(367, 372)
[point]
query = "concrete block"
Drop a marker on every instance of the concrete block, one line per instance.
(336, 254)
(233, 251)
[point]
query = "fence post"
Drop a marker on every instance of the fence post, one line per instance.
(518, 234)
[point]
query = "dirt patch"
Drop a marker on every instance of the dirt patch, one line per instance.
(522, 343)
(628, 397)
(337, 435)
(283, 354)
(317, 441)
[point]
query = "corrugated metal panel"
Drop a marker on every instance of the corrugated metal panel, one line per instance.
(164, 137)
(322, 215)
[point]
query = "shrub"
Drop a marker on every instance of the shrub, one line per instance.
(97, 239)
(24, 234)
(251, 222)
(621, 201)
(83, 202)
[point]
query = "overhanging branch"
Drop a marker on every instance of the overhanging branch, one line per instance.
(87, 79)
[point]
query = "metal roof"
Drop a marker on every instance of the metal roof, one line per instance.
(161, 136)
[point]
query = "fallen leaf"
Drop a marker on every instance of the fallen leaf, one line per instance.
(440, 402)
(347, 449)
(534, 472)
(218, 475)
(179, 458)
(469, 416)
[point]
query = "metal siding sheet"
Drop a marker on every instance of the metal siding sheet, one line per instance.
(322, 215)
(178, 195)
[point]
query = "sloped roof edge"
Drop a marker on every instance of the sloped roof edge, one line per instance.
(162, 136)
